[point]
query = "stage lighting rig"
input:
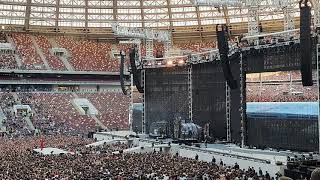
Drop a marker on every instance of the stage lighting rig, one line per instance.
(147, 34)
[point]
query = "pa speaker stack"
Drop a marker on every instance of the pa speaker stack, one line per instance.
(222, 35)
(136, 73)
(305, 43)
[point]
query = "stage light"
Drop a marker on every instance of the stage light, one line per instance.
(169, 63)
(181, 61)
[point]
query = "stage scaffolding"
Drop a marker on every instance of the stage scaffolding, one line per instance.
(198, 93)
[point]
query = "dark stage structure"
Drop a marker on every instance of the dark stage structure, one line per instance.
(199, 93)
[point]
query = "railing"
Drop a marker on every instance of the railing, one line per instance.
(225, 154)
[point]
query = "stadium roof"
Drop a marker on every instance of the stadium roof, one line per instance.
(182, 17)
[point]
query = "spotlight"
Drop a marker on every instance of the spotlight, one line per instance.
(181, 61)
(169, 63)
(159, 63)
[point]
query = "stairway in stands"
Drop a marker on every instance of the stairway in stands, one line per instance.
(63, 59)
(40, 53)
(27, 117)
(16, 56)
(318, 59)
(94, 117)
(29, 122)
(2, 119)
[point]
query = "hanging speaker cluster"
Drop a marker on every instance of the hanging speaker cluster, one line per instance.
(305, 43)
(136, 73)
(122, 60)
(222, 35)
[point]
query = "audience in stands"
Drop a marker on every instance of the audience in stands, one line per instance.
(3, 38)
(276, 87)
(112, 107)
(29, 56)
(55, 110)
(89, 55)
(7, 61)
(15, 124)
(54, 62)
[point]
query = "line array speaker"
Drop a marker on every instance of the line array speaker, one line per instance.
(122, 60)
(136, 73)
(223, 46)
(305, 43)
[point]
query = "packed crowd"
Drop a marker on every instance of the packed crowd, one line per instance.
(276, 87)
(3, 38)
(89, 55)
(112, 107)
(14, 122)
(197, 46)
(281, 93)
(7, 61)
(25, 47)
(19, 161)
(54, 62)
(85, 55)
(54, 113)
(277, 76)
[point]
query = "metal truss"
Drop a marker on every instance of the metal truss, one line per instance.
(147, 34)
(131, 103)
(316, 8)
(141, 33)
(242, 103)
(190, 92)
(167, 48)
(318, 83)
(228, 112)
(253, 17)
(143, 79)
(149, 48)
(288, 19)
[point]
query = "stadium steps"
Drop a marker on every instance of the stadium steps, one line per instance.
(16, 56)
(27, 118)
(40, 53)
(16, 97)
(99, 122)
(94, 117)
(29, 122)
(75, 95)
(53, 42)
(2, 118)
(63, 59)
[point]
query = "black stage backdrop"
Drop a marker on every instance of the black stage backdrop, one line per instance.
(295, 133)
(166, 96)
(209, 99)
(280, 58)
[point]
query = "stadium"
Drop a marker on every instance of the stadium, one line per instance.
(166, 89)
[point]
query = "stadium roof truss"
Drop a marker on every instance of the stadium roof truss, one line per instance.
(95, 16)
